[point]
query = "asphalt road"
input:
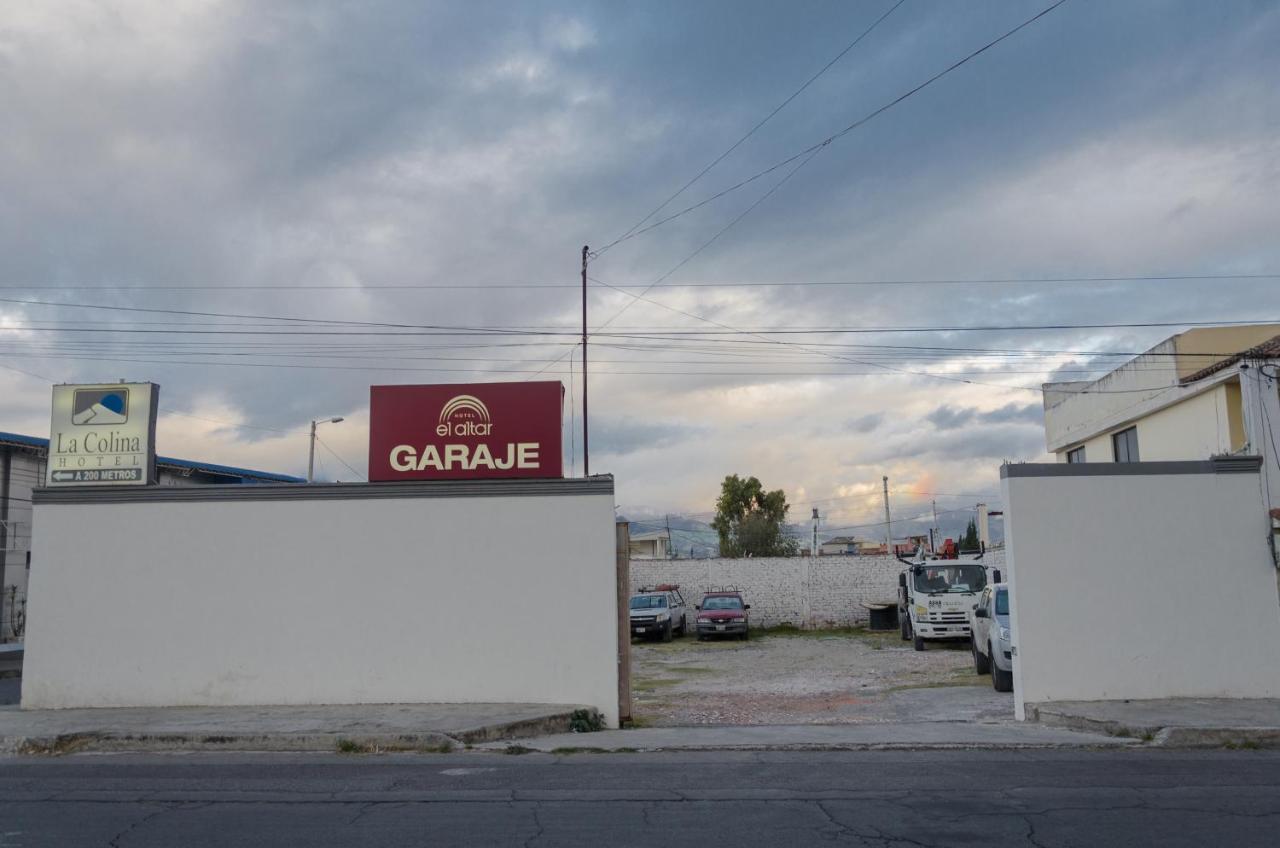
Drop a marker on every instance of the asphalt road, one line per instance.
(879, 798)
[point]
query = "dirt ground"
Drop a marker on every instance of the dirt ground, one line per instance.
(809, 677)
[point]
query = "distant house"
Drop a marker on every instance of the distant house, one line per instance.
(651, 545)
(839, 545)
(908, 546)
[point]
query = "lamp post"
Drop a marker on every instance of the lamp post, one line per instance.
(311, 456)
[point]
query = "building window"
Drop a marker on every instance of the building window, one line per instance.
(1076, 455)
(1124, 445)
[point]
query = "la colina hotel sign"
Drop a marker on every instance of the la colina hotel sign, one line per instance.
(103, 434)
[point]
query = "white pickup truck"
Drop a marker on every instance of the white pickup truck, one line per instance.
(658, 612)
(935, 597)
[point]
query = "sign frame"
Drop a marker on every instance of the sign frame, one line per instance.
(466, 431)
(101, 456)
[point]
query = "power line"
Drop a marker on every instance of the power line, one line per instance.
(958, 281)
(104, 357)
(448, 329)
(963, 380)
(720, 232)
(760, 124)
(837, 135)
(340, 459)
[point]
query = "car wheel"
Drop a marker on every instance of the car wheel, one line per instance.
(981, 663)
(684, 626)
(746, 634)
(666, 632)
(919, 644)
(1001, 681)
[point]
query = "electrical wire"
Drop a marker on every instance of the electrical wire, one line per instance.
(761, 199)
(335, 455)
(837, 135)
(758, 125)
(719, 284)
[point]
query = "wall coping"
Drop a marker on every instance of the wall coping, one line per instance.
(1219, 465)
(595, 485)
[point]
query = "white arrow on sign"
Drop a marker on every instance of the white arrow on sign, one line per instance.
(64, 475)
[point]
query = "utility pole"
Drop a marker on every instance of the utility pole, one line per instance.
(311, 454)
(888, 527)
(586, 453)
(671, 551)
(936, 531)
(813, 551)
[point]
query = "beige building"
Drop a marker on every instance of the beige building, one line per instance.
(1210, 391)
(654, 545)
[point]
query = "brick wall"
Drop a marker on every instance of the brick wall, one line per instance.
(824, 592)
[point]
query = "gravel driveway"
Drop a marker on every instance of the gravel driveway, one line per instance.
(813, 677)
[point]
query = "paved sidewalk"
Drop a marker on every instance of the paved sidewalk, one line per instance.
(1174, 722)
(364, 727)
(834, 737)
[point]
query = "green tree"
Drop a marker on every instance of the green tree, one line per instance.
(750, 520)
(970, 540)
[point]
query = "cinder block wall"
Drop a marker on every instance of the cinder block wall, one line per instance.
(824, 592)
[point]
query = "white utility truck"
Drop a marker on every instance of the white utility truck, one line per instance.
(935, 596)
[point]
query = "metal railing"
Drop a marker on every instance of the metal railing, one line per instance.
(13, 614)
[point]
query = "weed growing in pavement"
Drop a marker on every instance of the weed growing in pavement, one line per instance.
(876, 637)
(517, 750)
(69, 743)
(585, 721)
(649, 684)
(350, 746)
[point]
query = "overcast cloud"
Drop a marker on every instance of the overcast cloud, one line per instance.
(365, 145)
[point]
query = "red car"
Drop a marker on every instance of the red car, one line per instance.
(722, 614)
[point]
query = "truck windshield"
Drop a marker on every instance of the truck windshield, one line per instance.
(721, 603)
(1002, 602)
(937, 578)
(648, 602)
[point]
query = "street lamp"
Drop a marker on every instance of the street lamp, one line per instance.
(311, 457)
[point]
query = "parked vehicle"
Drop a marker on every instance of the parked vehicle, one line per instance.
(723, 614)
(990, 640)
(658, 612)
(935, 597)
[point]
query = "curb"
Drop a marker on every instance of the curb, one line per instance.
(587, 748)
(1160, 736)
(427, 741)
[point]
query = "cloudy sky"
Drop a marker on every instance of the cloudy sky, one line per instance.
(441, 164)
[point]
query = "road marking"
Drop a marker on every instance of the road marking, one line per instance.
(460, 772)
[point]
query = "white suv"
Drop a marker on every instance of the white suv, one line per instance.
(991, 642)
(660, 612)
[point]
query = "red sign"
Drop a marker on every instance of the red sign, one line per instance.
(460, 431)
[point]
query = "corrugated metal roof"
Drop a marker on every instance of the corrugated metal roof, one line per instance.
(248, 474)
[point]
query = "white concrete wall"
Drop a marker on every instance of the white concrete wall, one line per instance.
(824, 592)
(257, 602)
(1140, 585)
